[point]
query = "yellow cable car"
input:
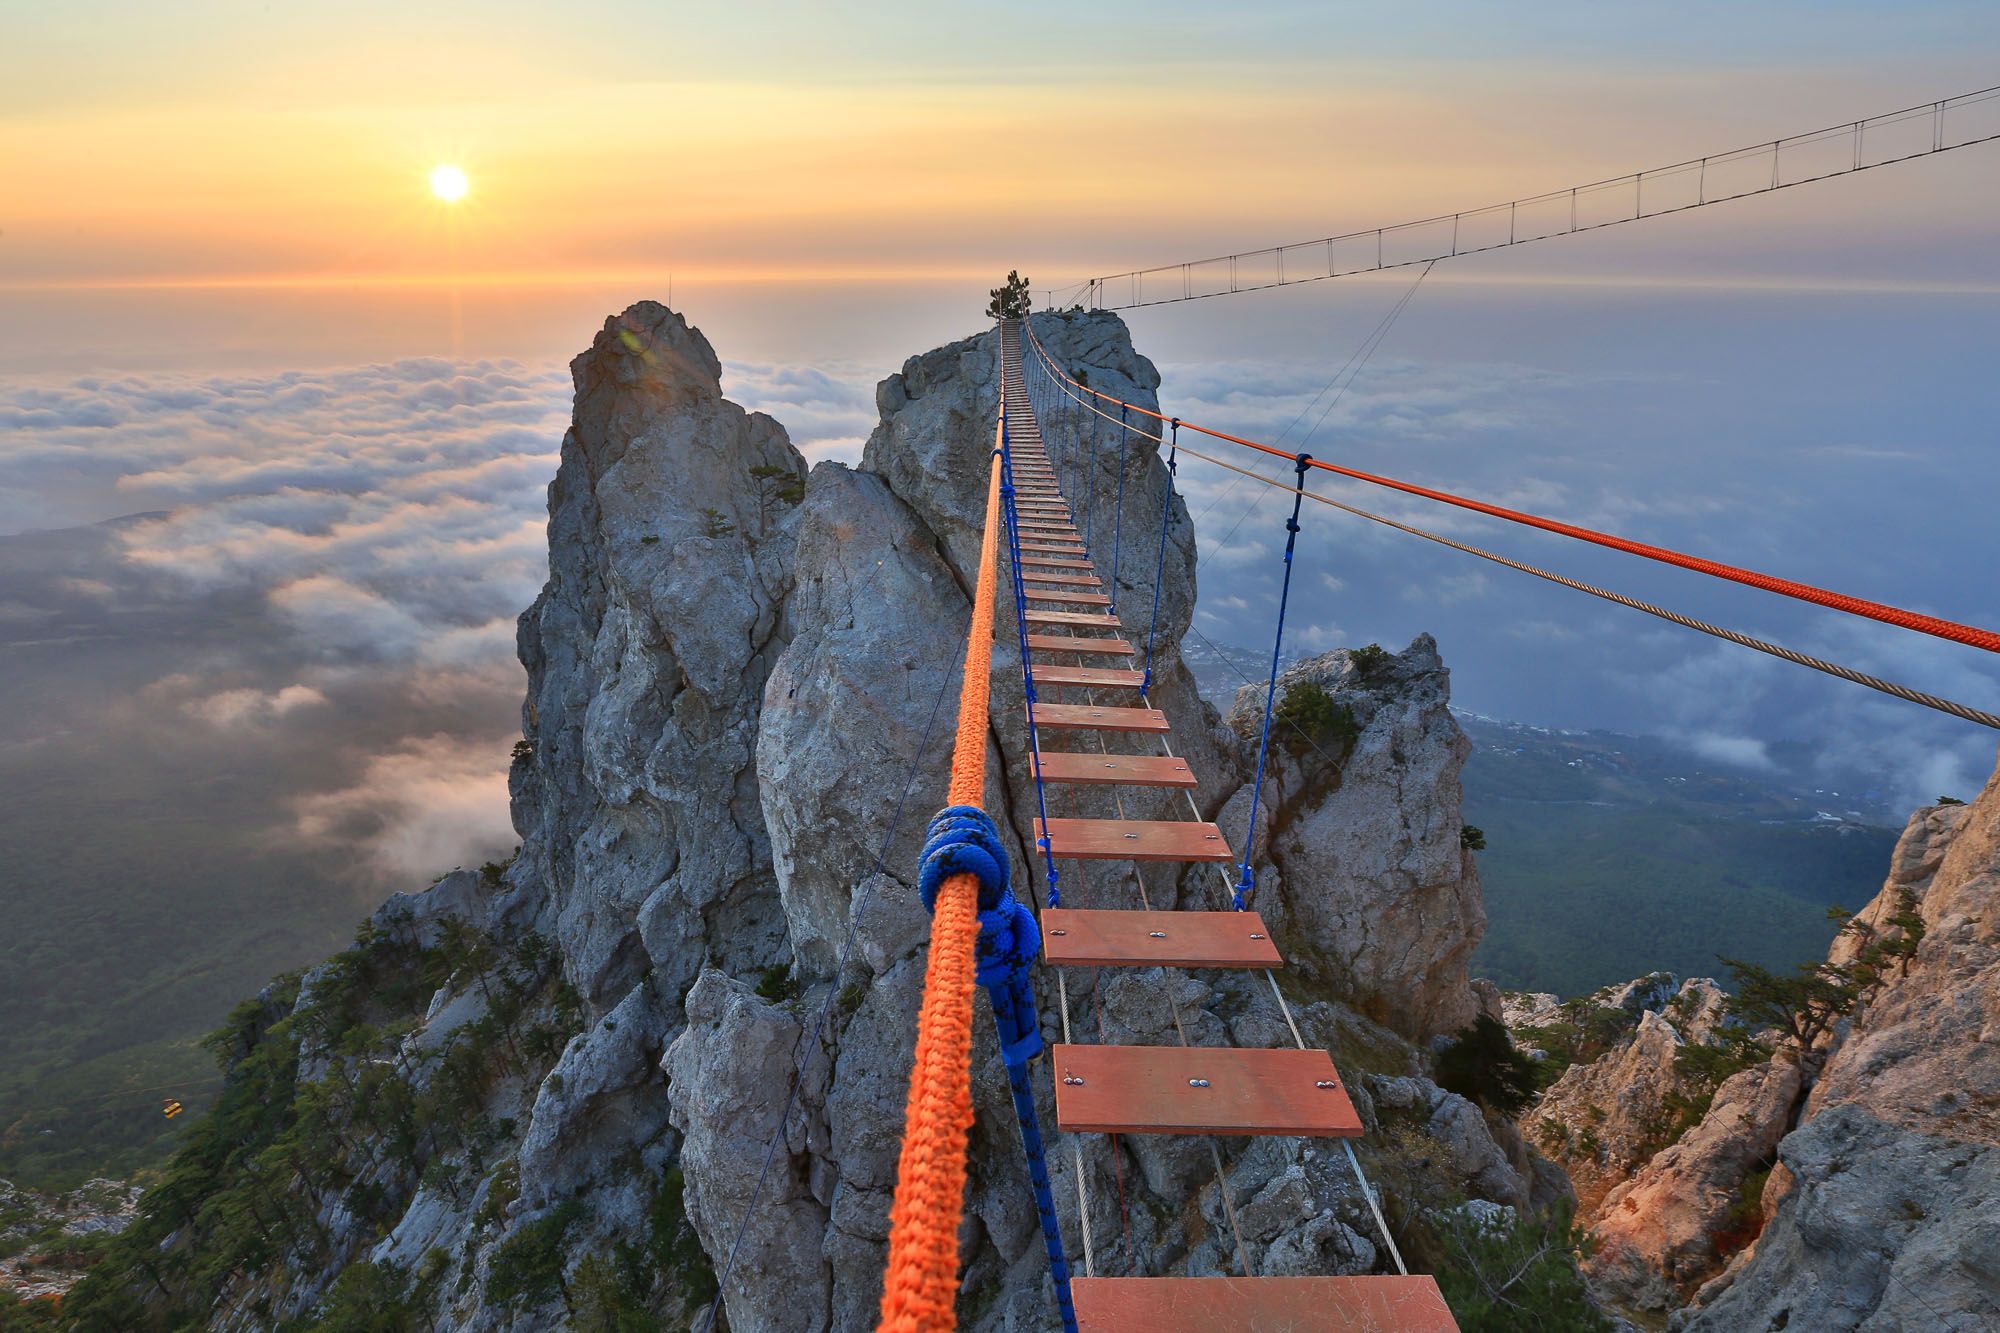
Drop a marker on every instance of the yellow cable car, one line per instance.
(171, 1108)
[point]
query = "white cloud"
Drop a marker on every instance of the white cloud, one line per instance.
(246, 706)
(431, 803)
(1738, 751)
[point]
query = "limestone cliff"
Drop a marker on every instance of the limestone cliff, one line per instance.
(1848, 1183)
(676, 1029)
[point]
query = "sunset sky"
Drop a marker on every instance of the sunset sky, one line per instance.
(229, 298)
(217, 143)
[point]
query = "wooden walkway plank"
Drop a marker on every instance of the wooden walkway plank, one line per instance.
(1134, 839)
(1093, 717)
(1091, 938)
(1078, 769)
(1081, 619)
(1067, 598)
(1079, 643)
(1067, 580)
(1112, 678)
(1200, 1090)
(1366, 1304)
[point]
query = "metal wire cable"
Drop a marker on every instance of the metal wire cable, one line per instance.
(1323, 250)
(1889, 687)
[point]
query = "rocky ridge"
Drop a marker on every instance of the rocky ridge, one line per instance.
(544, 1091)
(48, 1241)
(1848, 1184)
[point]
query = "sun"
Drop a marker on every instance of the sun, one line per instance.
(449, 183)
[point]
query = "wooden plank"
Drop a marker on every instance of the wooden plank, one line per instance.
(1068, 580)
(1058, 564)
(1078, 643)
(1053, 548)
(1119, 770)
(1084, 619)
(1200, 1090)
(1090, 938)
(1092, 717)
(1366, 1304)
(1067, 598)
(1134, 839)
(1095, 677)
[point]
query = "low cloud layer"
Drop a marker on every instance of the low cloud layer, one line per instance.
(363, 539)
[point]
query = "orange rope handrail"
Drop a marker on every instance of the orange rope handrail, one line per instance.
(921, 1282)
(1804, 592)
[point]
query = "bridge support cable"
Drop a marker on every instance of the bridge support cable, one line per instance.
(1846, 149)
(1904, 692)
(1970, 635)
(1248, 883)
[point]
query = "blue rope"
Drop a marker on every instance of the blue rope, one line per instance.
(1045, 1203)
(964, 840)
(1118, 515)
(1160, 565)
(1248, 882)
(1027, 667)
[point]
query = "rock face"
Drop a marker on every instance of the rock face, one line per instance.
(1849, 1186)
(41, 1233)
(690, 1000)
(1369, 863)
(1601, 1120)
(1883, 1215)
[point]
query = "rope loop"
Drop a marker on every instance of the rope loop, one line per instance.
(962, 839)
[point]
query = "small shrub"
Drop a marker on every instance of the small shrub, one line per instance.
(778, 984)
(649, 541)
(1481, 1063)
(1472, 838)
(524, 750)
(1307, 718)
(672, 1244)
(1516, 1279)
(1949, 800)
(716, 524)
(1367, 659)
(528, 1266)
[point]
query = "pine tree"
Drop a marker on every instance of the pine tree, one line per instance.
(1010, 299)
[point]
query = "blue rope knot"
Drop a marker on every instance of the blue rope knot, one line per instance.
(963, 840)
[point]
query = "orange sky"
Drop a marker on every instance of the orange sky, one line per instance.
(213, 146)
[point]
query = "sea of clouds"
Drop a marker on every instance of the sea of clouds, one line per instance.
(319, 572)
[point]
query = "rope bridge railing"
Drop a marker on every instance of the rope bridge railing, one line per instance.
(980, 935)
(1761, 168)
(1083, 395)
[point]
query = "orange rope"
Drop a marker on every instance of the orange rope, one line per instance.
(921, 1283)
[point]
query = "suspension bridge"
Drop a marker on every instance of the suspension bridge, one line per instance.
(1087, 674)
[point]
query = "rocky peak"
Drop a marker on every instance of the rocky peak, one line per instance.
(738, 675)
(1362, 828)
